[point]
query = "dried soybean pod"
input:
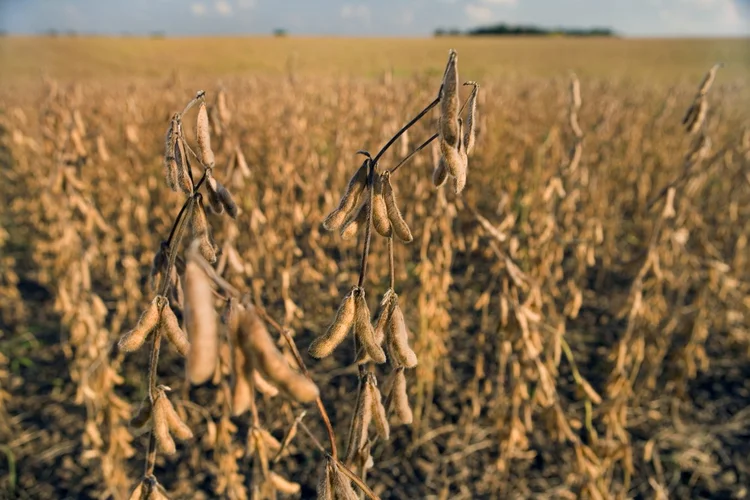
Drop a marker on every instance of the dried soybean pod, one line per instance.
(213, 196)
(337, 332)
(200, 320)
(136, 494)
(271, 443)
(440, 174)
(284, 485)
(394, 214)
(226, 199)
(176, 426)
(398, 340)
(158, 493)
(199, 225)
(203, 135)
(352, 226)
(264, 386)
(451, 158)
(342, 486)
(379, 415)
(384, 315)
(325, 483)
(448, 123)
(363, 328)
(141, 422)
(400, 398)
(173, 331)
(471, 119)
(696, 115)
(575, 92)
(360, 422)
(158, 265)
(150, 489)
(709, 79)
(134, 339)
(379, 211)
(690, 114)
(183, 178)
(349, 201)
(170, 165)
(161, 425)
(381, 324)
(198, 222)
(241, 393)
(265, 357)
(221, 105)
(463, 164)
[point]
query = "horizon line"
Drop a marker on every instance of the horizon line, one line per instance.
(160, 35)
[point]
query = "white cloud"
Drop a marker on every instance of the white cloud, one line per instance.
(729, 15)
(198, 9)
(355, 11)
(704, 16)
(478, 13)
(246, 4)
(508, 3)
(223, 7)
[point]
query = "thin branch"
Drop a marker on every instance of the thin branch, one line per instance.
(405, 128)
(312, 436)
(413, 153)
(356, 480)
(289, 436)
(177, 220)
(368, 224)
(301, 364)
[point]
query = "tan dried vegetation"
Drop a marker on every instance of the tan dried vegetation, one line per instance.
(566, 318)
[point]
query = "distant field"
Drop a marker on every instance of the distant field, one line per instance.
(25, 57)
(580, 312)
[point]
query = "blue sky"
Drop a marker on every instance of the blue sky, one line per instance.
(372, 17)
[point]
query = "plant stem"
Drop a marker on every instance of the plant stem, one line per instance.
(174, 242)
(356, 480)
(303, 368)
(413, 153)
(435, 136)
(405, 128)
(289, 436)
(368, 224)
(312, 436)
(178, 219)
(198, 96)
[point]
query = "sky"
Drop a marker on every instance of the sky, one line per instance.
(371, 17)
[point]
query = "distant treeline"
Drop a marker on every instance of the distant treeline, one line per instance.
(525, 30)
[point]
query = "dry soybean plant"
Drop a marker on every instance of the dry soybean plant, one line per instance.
(157, 415)
(241, 355)
(656, 337)
(368, 203)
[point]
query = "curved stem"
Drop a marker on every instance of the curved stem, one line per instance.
(177, 220)
(303, 368)
(154, 361)
(356, 480)
(368, 224)
(174, 241)
(405, 128)
(200, 95)
(413, 153)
